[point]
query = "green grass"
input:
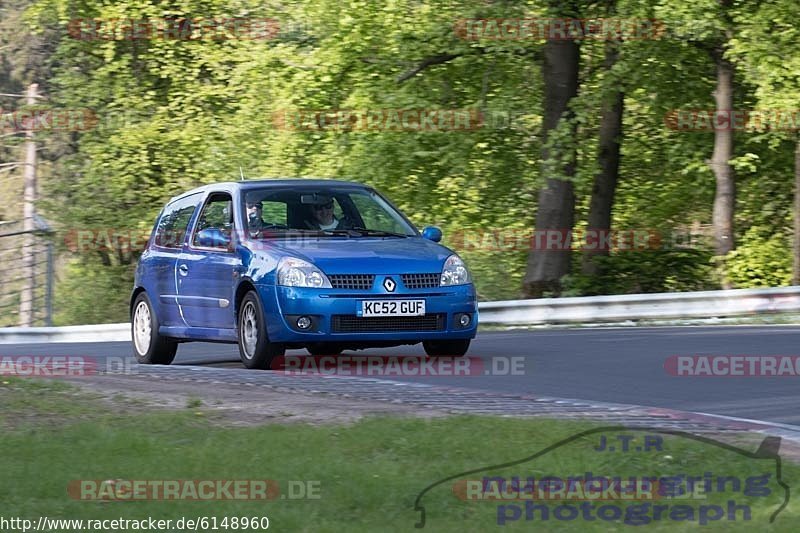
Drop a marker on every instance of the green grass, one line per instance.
(369, 473)
(193, 403)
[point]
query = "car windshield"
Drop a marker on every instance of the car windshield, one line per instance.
(324, 211)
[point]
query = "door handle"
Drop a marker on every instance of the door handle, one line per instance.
(183, 269)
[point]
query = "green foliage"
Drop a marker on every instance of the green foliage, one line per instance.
(91, 293)
(762, 259)
(176, 114)
(645, 272)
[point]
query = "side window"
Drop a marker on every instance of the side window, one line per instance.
(174, 222)
(215, 223)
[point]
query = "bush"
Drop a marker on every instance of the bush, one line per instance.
(762, 259)
(92, 293)
(645, 272)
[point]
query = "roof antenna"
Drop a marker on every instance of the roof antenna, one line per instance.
(241, 172)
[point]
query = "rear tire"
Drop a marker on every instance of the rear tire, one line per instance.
(455, 348)
(255, 349)
(149, 347)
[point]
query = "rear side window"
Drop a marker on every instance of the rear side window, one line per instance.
(174, 222)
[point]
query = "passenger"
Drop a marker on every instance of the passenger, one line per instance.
(254, 221)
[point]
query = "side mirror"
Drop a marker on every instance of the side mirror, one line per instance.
(213, 238)
(432, 233)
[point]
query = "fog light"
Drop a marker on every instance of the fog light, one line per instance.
(464, 320)
(303, 322)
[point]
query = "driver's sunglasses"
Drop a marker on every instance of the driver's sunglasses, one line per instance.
(329, 205)
(257, 206)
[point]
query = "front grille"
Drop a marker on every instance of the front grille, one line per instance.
(361, 282)
(380, 324)
(421, 281)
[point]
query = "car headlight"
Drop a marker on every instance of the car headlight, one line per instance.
(293, 272)
(455, 272)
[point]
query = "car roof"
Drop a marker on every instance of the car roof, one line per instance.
(231, 186)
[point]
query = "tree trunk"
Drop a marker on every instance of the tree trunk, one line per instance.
(605, 182)
(556, 207)
(796, 251)
(725, 197)
(27, 305)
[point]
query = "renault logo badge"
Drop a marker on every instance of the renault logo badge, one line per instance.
(389, 284)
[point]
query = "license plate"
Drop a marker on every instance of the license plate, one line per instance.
(392, 308)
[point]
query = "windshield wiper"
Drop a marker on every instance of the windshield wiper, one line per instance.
(346, 232)
(359, 232)
(378, 233)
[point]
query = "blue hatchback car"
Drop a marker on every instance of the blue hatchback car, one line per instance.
(284, 264)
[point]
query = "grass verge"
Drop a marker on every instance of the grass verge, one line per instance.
(363, 477)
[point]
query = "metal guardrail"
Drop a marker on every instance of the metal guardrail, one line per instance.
(671, 305)
(578, 310)
(89, 333)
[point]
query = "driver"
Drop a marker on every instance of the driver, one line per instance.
(322, 217)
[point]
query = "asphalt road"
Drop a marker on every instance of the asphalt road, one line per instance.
(624, 365)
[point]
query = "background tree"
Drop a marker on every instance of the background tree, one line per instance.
(179, 113)
(556, 204)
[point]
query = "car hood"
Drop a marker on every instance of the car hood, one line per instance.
(367, 255)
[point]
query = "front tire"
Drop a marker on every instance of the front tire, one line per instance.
(149, 347)
(255, 350)
(454, 348)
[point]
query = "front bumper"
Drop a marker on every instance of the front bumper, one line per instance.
(333, 313)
